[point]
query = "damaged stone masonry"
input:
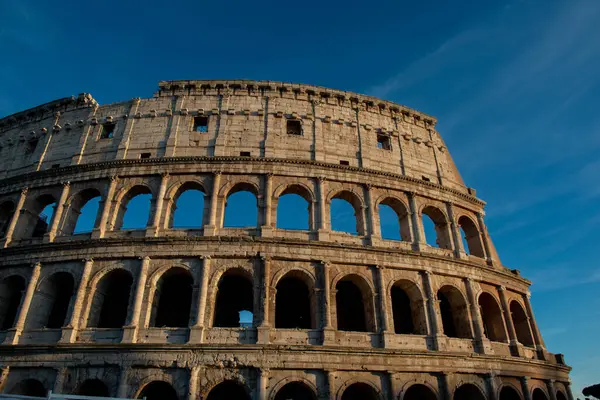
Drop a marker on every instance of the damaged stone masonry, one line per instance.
(155, 311)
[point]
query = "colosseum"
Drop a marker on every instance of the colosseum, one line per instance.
(154, 311)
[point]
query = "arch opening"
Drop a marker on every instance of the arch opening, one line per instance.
(82, 214)
(353, 305)
(471, 237)
(294, 210)
(521, 323)
(493, 324)
(111, 300)
(360, 391)
(508, 393)
(538, 394)
(346, 213)
(30, 387)
(134, 210)
(158, 390)
(235, 295)
(7, 210)
(39, 218)
(241, 207)
(51, 302)
(468, 391)
(228, 390)
(293, 303)
(11, 292)
(455, 316)
(295, 391)
(173, 299)
(93, 387)
(435, 228)
(419, 392)
(407, 308)
(560, 396)
(188, 207)
(393, 220)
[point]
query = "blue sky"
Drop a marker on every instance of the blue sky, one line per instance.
(514, 85)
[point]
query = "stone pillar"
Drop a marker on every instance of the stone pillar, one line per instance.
(485, 239)
(512, 333)
(383, 305)
(482, 343)
(444, 387)
(98, 233)
(539, 342)
(131, 330)
(123, 387)
(211, 228)
(158, 206)
(264, 328)
(330, 376)
(3, 375)
(14, 334)
(434, 320)
(459, 250)
(418, 242)
(490, 381)
(551, 389)
(525, 387)
(59, 383)
(267, 228)
(373, 232)
(57, 216)
(193, 389)
(15, 217)
(323, 227)
(69, 332)
(569, 391)
(328, 330)
(263, 383)
(197, 331)
(394, 385)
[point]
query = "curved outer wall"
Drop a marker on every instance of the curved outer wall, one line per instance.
(354, 147)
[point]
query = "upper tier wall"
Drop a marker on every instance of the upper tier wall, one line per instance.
(243, 116)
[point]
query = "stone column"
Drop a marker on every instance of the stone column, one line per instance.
(57, 216)
(490, 380)
(131, 330)
(551, 389)
(539, 342)
(569, 391)
(459, 250)
(432, 315)
(193, 389)
(330, 376)
(211, 228)
(98, 233)
(14, 334)
(59, 383)
(264, 328)
(443, 386)
(525, 387)
(323, 227)
(69, 332)
(3, 375)
(373, 230)
(383, 304)
(477, 322)
(197, 331)
(263, 383)
(123, 387)
(158, 206)
(328, 330)
(418, 242)
(15, 217)
(267, 228)
(484, 239)
(394, 387)
(512, 333)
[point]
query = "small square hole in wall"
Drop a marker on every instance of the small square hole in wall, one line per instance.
(30, 146)
(108, 131)
(294, 127)
(245, 154)
(145, 155)
(201, 124)
(344, 162)
(384, 142)
(426, 179)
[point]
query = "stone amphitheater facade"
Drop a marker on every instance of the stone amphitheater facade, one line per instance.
(385, 319)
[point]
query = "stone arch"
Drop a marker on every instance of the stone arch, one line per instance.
(174, 196)
(157, 390)
(468, 391)
(295, 301)
(7, 210)
(440, 222)
(29, 387)
(298, 189)
(357, 203)
(521, 323)
(123, 200)
(354, 304)
(491, 315)
(402, 213)
(110, 299)
(34, 222)
(560, 395)
(293, 385)
(171, 298)
(354, 389)
(454, 312)
(419, 391)
(229, 389)
(93, 387)
(234, 293)
(472, 236)
(509, 392)
(539, 394)
(52, 301)
(407, 303)
(231, 189)
(12, 289)
(75, 211)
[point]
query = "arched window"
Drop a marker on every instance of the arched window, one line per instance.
(560, 396)
(234, 295)
(7, 210)
(354, 305)
(134, 209)
(508, 393)
(51, 302)
(538, 394)
(419, 392)
(11, 292)
(521, 323)
(293, 302)
(435, 228)
(360, 391)
(346, 213)
(241, 207)
(30, 387)
(471, 236)
(407, 308)
(38, 220)
(93, 387)
(455, 316)
(173, 299)
(158, 390)
(493, 325)
(294, 209)
(393, 220)
(228, 390)
(188, 207)
(468, 392)
(82, 214)
(111, 300)
(295, 391)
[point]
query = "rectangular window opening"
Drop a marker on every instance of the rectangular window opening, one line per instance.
(145, 155)
(108, 131)
(384, 142)
(344, 162)
(294, 127)
(201, 124)
(245, 154)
